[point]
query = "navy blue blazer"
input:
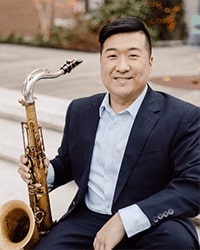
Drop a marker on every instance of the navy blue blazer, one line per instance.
(160, 170)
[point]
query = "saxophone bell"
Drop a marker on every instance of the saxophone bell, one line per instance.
(16, 225)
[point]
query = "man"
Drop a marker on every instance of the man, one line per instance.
(134, 154)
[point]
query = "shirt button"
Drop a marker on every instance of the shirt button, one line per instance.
(106, 179)
(108, 206)
(116, 124)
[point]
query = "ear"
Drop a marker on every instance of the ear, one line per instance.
(151, 61)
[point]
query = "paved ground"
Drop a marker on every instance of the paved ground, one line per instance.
(18, 61)
(53, 95)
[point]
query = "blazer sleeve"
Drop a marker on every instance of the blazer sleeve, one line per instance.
(181, 196)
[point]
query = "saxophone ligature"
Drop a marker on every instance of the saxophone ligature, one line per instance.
(22, 225)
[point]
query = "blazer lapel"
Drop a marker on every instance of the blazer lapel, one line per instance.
(145, 121)
(89, 126)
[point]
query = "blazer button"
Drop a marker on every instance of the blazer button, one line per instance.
(160, 216)
(165, 214)
(170, 211)
(155, 219)
(73, 203)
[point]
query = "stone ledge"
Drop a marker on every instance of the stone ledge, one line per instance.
(50, 110)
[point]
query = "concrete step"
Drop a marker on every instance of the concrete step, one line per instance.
(50, 112)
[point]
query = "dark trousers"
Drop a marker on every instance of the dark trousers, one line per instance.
(78, 230)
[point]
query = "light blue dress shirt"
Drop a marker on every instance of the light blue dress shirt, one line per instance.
(110, 144)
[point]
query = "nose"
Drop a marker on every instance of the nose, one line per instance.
(122, 64)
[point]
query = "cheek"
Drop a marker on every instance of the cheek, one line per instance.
(104, 76)
(144, 70)
(105, 70)
(147, 72)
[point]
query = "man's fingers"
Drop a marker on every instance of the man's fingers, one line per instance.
(23, 169)
(23, 159)
(24, 174)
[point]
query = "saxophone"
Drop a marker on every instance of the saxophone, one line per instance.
(22, 226)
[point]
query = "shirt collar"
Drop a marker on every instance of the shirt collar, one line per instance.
(132, 109)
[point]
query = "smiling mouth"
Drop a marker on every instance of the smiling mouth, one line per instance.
(122, 78)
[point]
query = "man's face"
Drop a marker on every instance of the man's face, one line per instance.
(125, 66)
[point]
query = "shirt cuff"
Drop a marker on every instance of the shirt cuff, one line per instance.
(134, 220)
(50, 176)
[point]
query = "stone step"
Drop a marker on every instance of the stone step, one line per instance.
(50, 112)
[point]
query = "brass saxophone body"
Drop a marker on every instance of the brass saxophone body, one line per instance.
(22, 226)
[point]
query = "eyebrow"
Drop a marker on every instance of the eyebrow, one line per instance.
(129, 49)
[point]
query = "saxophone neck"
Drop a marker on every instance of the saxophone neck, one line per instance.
(29, 84)
(38, 74)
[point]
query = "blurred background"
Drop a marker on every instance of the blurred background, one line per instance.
(74, 24)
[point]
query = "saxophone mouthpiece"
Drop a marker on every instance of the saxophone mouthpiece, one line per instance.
(69, 65)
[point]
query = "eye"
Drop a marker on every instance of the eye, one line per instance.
(112, 56)
(133, 56)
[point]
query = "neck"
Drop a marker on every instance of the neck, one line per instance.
(118, 106)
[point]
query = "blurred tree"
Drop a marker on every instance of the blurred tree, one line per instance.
(86, 6)
(168, 18)
(45, 14)
(112, 9)
(164, 18)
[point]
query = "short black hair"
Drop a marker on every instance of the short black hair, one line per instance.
(124, 25)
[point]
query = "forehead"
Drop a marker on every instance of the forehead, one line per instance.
(123, 41)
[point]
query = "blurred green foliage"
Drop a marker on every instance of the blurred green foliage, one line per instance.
(164, 20)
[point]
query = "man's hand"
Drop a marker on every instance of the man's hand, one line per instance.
(110, 234)
(23, 168)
